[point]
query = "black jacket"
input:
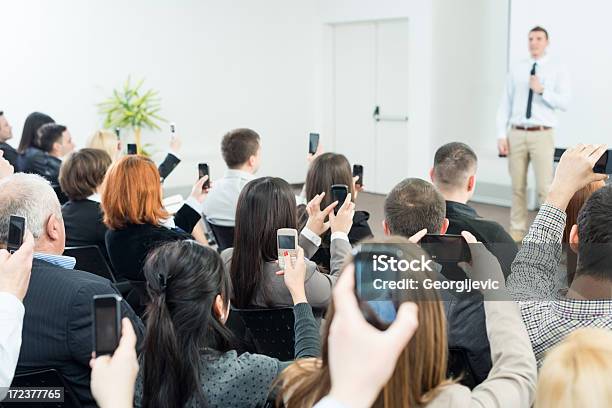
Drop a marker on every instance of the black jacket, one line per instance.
(57, 327)
(39, 162)
(10, 154)
(83, 222)
(128, 247)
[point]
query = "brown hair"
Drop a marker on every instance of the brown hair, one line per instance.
(82, 173)
(540, 29)
(454, 163)
(572, 210)
(131, 193)
(238, 146)
(326, 170)
(420, 369)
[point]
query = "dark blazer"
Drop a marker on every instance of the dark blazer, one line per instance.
(10, 154)
(57, 327)
(39, 162)
(128, 247)
(166, 167)
(84, 225)
(462, 217)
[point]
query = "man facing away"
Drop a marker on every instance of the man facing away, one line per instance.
(535, 89)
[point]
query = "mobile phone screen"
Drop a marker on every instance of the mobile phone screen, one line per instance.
(338, 193)
(602, 164)
(313, 143)
(131, 148)
(15, 233)
(204, 171)
(286, 242)
(358, 171)
(107, 323)
(447, 248)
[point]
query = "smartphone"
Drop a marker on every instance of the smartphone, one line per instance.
(313, 143)
(107, 323)
(286, 241)
(132, 149)
(339, 193)
(603, 165)
(172, 129)
(358, 171)
(448, 248)
(203, 171)
(16, 232)
(118, 133)
(558, 153)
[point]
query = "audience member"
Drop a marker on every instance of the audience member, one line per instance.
(188, 357)
(454, 175)
(326, 170)
(107, 140)
(415, 205)
(57, 326)
(15, 270)
(550, 315)
(576, 373)
(6, 133)
(241, 150)
(29, 137)
(54, 142)
(80, 178)
(136, 220)
(419, 378)
(266, 205)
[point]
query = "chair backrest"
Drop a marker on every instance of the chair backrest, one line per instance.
(459, 367)
(89, 258)
(223, 235)
(48, 378)
(271, 330)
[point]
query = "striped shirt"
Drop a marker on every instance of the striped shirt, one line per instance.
(66, 262)
(548, 315)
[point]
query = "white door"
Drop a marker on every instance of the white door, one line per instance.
(370, 70)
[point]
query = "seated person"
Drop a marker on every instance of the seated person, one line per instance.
(80, 178)
(57, 325)
(29, 137)
(188, 359)
(136, 220)
(241, 150)
(454, 174)
(324, 171)
(414, 205)
(264, 206)
(419, 378)
(107, 140)
(551, 314)
(54, 142)
(6, 133)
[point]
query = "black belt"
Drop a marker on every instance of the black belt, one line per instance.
(531, 128)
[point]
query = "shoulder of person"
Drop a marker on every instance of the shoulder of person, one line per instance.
(450, 396)
(226, 254)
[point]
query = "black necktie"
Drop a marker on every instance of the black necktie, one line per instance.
(530, 99)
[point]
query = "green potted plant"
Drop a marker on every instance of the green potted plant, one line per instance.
(130, 108)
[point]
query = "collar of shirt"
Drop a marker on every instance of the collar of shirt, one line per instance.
(66, 262)
(460, 209)
(541, 61)
(573, 309)
(95, 197)
(234, 173)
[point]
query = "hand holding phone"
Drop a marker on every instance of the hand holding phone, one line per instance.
(358, 172)
(294, 275)
(118, 133)
(339, 193)
(448, 248)
(16, 233)
(287, 245)
(107, 323)
(203, 170)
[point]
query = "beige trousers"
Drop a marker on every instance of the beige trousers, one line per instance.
(537, 147)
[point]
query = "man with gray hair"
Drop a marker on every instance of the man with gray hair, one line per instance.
(57, 328)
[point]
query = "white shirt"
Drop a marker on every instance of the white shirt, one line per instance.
(11, 324)
(220, 205)
(513, 106)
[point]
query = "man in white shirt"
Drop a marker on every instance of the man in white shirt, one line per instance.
(241, 150)
(535, 89)
(15, 270)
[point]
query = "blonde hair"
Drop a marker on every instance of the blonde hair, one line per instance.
(106, 140)
(576, 373)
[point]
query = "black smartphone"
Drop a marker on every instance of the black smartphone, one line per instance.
(448, 248)
(358, 171)
(603, 165)
(16, 232)
(313, 143)
(203, 171)
(558, 153)
(107, 323)
(339, 193)
(132, 149)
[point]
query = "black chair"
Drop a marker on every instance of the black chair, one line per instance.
(89, 258)
(459, 367)
(223, 235)
(48, 378)
(271, 330)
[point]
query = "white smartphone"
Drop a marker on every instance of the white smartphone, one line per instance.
(286, 241)
(172, 129)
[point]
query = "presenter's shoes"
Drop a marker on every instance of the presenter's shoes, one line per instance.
(517, 236)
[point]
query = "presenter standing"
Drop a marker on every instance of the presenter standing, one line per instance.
(535, 89)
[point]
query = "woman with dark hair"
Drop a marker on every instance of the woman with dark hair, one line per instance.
(324, 171)
(188, 358)
(29, 151)
(266, 205)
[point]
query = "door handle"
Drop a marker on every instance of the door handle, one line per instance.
(389, 118)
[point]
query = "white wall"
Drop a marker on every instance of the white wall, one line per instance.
(217, 65)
